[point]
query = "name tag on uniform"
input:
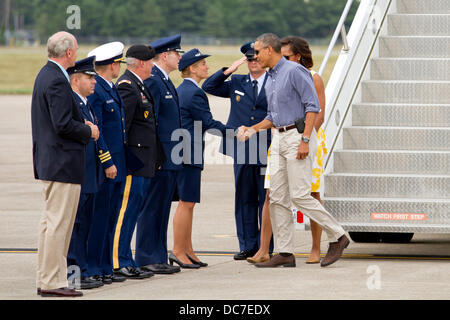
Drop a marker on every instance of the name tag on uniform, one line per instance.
(239, 93)
(110, 101)
(169, 96)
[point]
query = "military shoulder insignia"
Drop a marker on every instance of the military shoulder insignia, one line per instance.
(124, 81)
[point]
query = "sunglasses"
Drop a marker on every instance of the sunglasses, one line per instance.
(258, 51)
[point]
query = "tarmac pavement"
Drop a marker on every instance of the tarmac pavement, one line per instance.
(417, 270)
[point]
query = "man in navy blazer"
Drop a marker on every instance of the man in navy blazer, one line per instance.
(83, 83)
(60, 135)
(152, 225)
(248, 105)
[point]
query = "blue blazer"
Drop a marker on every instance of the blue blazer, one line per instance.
(108, 108)
(195, 107)
(167, 112)
(58, 129)
(94, 172)
(245, 110)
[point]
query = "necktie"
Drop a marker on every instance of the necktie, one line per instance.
(255, 89)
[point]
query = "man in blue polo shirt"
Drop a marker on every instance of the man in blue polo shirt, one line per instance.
(292, 108)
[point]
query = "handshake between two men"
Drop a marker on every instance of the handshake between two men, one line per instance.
(244, 133)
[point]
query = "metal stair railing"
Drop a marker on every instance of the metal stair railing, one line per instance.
(350, 66)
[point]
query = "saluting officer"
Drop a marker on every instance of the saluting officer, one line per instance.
(151, 234)
(248, 105)
(108, 107)
(83, 83)
(143, 142)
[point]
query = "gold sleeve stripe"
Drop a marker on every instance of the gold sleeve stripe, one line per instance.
(104, 160)
(105, 155)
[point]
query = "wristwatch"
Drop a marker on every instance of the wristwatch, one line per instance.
(305, 139)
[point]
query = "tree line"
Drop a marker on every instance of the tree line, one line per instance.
(153, 18)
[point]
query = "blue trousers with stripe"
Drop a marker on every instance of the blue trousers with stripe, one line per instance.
(135, 193)
(100, 241)
(249, 201)
(152, 224)
(77, 254)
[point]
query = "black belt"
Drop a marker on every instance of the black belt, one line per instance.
(286, 128)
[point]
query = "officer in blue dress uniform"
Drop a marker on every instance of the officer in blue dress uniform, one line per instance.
(143, 142)
(196, 120)
(151, 232)
(108, 108)
(83, 83)
(249, 106)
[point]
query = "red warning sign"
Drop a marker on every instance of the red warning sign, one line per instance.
(399, 216)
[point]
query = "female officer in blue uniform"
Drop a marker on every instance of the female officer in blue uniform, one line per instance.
(195, 116)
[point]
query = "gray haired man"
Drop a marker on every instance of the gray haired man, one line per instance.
(292, 108)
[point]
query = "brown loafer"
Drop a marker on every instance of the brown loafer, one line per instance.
(61, 292)
(278, 261)
(335, 250)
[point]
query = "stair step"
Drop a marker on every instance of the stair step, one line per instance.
(387, 186)
(419, 24)
(415, 47)
(400, 138)
(407, 115)
(410, 69)
(423, 6)
(401, 91)
(392, 162)
(360, 210)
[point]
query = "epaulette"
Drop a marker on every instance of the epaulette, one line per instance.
(124, 81)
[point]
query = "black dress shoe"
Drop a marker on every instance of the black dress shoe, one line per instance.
(114, 278)
(133, 273)
(161, 268)
(86, 284)
(103, 279)
(243, 255)
(201, 264)
(173, 258)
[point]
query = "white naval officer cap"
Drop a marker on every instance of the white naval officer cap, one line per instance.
(108, 53)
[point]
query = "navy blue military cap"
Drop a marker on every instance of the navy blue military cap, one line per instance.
(167, 44)
(191, 57)
(85, 65)
(248, 50)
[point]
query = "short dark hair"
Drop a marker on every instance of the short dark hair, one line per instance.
(270, 39)
(300, 46)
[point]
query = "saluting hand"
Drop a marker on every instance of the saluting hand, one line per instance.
(95, 133)
(234, 66)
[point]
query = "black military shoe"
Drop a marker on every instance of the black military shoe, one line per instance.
(243, 255)
(161, 268)
(133, 273)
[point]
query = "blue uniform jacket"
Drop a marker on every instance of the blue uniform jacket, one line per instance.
(195, 107)
(167, 112)
(244, 111)
(94, 172)
(108, 108)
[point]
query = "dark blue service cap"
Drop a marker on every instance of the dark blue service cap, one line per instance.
(85, 65)
(167, 44)
(191, 57)
(248, 50)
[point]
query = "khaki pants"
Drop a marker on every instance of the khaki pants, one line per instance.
(55, 230)
(290, 185)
